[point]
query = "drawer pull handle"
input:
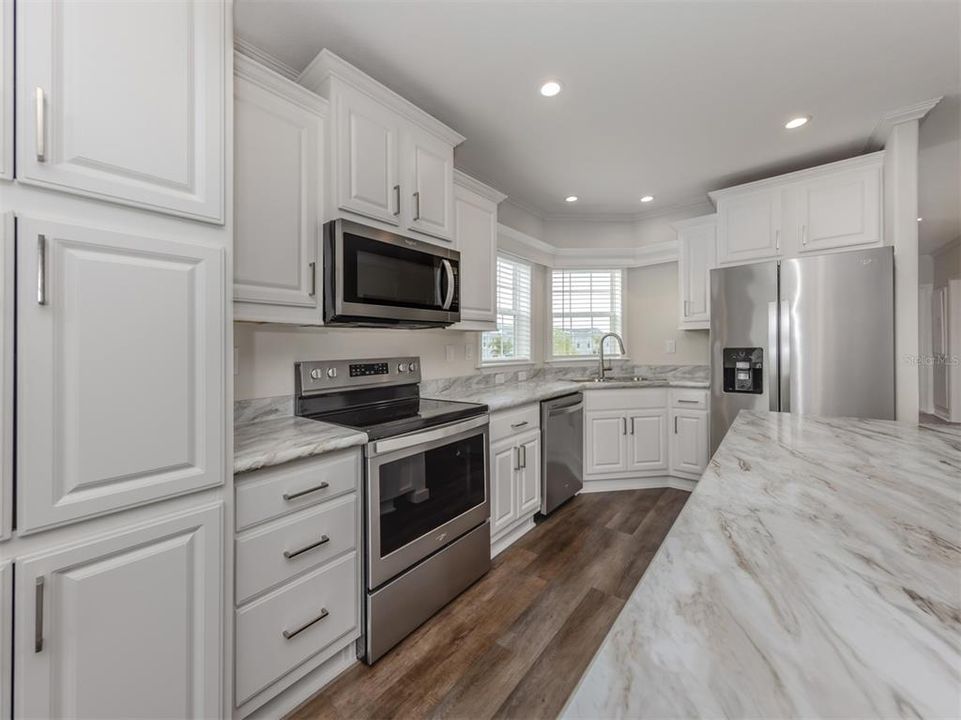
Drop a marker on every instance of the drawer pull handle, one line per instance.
(289, 554)
(294, 496)
(38, 616)
(288, 634)
(690, 402)
(514, 426)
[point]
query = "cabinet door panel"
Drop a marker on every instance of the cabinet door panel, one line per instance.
(529, 475)
(697, 257)
(689, 442)
(749, 226)
(132, 101)
(503, 479)
(648, 441)
(431, 184)
(131, 624)
(121, 371)
(6, 639)
(476, 237)
(606, 446)
(367, 157)
(278, 201)
(7, 321)
(840, 210)
(6, 89)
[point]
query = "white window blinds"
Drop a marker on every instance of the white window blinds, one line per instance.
(585, 305)
(512, 339)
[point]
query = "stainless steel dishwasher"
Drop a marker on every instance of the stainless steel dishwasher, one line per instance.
(562, 459)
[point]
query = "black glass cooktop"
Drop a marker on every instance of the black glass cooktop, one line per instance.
(399, 417)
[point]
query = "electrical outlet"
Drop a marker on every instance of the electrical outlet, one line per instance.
(449, 350)
(670, 347)
(522, 375)
(469, 351)
(499, 378)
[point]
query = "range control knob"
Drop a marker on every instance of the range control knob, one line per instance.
(316, 374)
(413, 367)
(331, 372)
(402, 367)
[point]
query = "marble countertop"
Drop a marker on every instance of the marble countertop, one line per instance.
(274, 440)
(814, 572)
(513, 394)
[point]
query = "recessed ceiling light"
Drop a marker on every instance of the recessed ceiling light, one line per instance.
(796, 122)
(550, 89)
(920, 219)
(571, 198)
(647, 198)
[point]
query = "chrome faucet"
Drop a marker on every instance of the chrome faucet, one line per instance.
(602, 368)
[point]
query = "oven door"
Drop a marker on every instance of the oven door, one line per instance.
(424, 490)
(374, 277)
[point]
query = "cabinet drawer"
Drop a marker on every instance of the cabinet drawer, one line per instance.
(272, 554)
(511, 422)
(264, 653)
(690, 399)
(629, 399)
(260, 494)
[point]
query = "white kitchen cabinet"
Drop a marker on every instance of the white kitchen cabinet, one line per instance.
(749, 226)
(529, 474)
(6, 639)
(515, 467)
(120, 371)
(697, 256)
(475, 237)
(125, 101)
(7, 322)
(390, 163)
(278, 208)
(647, 440)
(504, 509)
(689, 442)
(6, 89)
(124, 625)
(606, 444)
(840, 209)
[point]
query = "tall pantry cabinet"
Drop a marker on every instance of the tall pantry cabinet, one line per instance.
(116, 244)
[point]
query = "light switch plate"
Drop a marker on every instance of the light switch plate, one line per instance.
(469, 351)
(449, 349)
(670, 347)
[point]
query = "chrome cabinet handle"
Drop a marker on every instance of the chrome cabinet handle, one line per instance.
(449, 297)
(289, 554)
(675, 424)
(804, 235)
(685, 308)
(288, 634)
(396, 199)
(41, 269)
(41, 125)
(417, 205)
(632, 426)
(523, 449)
(689, 402)
(623, 426)
(777, 239)
(301, 493)
(313, 278)
(514, 426)
(38, 616)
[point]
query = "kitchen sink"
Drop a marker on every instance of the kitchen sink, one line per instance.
(617, 378)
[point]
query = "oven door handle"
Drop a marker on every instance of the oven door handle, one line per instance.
(381, 447)
(449, 297)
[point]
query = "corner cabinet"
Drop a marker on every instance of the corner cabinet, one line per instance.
(820, 209)
(697, 257)
(515, 470)
(120, 357)
(124, 624)
(85, 124)
(475, 237)
(278, 188)
(390, 163)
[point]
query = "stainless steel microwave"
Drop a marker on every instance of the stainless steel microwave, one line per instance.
(375, 278)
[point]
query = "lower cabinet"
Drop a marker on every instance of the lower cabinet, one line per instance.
(515, 469)
(124, 625)
(689, 442)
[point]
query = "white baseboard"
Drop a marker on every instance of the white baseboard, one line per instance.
(644, 483)
(511, 536)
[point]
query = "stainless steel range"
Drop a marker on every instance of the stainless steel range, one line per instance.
(426, 488)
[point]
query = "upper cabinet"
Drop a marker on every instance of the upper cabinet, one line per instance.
(824, 208)
(278, 191)
(697, 256)
(124, 101)
(6, 89)
(475, 237)
(390, 163)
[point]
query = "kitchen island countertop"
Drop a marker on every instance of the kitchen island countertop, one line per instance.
(814, 572)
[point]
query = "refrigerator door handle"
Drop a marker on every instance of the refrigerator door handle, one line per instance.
(784, 356)
(773, 387)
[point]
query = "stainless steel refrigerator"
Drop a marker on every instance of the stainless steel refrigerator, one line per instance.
(811, 335)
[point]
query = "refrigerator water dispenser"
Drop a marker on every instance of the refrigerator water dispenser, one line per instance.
(743, 370)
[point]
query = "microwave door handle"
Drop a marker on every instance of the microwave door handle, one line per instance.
(449, 270)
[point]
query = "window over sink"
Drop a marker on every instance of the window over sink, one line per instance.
(585, 304)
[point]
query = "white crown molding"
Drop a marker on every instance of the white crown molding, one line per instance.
(263, 57)
(328, 64)
(891, 118)
(466, 181)
(858, 161)
(638, 256)
(698, 201)
(252, 70)
(694, 222)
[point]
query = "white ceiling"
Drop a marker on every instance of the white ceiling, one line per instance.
(667, 98)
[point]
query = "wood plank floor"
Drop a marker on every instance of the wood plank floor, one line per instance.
(515, 644)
